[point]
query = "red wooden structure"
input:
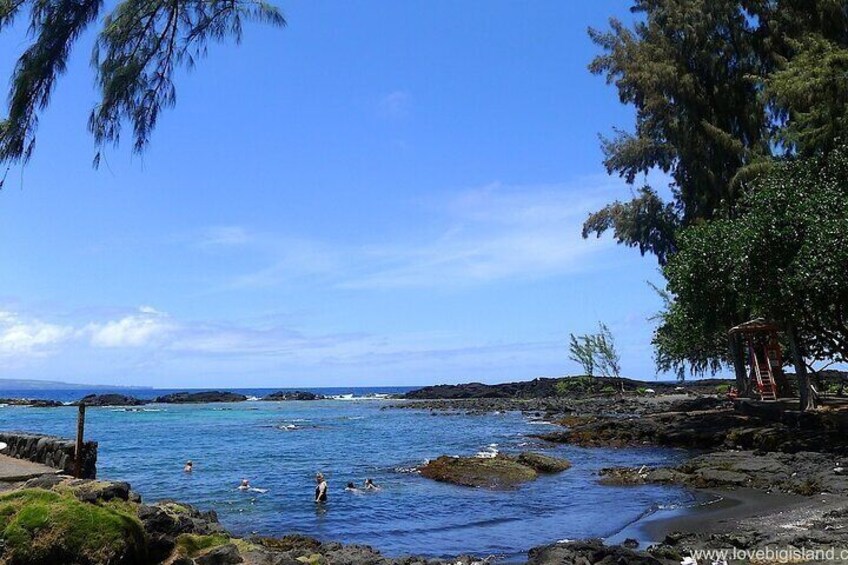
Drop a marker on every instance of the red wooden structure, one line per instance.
(765, 360)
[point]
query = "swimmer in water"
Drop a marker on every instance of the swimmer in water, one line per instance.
(351, 488)
(245, 485)
(370, 485)
(189, 466)
(320, 489)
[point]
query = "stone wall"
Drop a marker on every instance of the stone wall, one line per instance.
(52, 451)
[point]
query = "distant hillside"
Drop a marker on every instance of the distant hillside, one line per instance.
(33, 384)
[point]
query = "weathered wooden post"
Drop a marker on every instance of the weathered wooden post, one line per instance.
(80, 435)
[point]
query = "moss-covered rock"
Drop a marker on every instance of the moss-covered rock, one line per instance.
(544, 463)
(496, 472)
(191, 545)
(40, 527)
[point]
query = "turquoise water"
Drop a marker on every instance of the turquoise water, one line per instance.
(279, 446)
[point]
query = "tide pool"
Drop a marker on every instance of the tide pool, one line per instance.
(279, 446)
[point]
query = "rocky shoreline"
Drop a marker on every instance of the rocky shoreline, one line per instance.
(794, 464)
(106, 522)
(775, 478)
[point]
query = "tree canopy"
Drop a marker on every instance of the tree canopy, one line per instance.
(783, 257)
(137, 50)
(720, 88)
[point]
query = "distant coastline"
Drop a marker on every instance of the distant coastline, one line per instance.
(37, 384)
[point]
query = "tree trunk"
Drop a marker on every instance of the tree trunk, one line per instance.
(743, 384)
(805, 392)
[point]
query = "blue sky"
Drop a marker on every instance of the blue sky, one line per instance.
(381, 193)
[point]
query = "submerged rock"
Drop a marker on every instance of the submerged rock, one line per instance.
(499, 472)
(200, 397)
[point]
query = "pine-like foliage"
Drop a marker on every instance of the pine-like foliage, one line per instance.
(138, 49)
(720, 88)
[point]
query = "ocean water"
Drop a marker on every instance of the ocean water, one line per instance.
(279, 446)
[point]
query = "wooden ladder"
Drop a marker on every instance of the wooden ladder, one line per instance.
(765, 379)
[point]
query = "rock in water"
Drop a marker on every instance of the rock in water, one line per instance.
(293, 395)
(200, 397)
(497, 472)
(110, 399)
(543, 463)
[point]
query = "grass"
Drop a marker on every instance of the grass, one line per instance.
(44, 527)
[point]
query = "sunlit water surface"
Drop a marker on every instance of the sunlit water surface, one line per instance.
(279, 446)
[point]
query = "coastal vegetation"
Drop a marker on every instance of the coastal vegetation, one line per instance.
(596, 350)
(742, 105)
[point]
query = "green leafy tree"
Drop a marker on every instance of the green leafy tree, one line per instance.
(137, 51)
(783, 257)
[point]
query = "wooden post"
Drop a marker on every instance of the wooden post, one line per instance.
(80, 435)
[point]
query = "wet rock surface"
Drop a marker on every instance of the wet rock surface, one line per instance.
(805, 473)
(33, 402)
(293, 395)
(499, 472)
(110, 399)
(588, 552)
(200, 397)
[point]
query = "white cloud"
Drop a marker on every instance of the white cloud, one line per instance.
(493, 233)
(135, 330)
(224, 236)
(474, 237)
(29, 338)
(395, 104)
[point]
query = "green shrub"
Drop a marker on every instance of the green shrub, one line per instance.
(722, 389)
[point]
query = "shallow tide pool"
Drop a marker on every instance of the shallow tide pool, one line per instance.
(279, 446)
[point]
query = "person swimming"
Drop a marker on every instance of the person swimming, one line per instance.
(189, 466)
(320, 488)
(351, 488)
(245, 485)
(370, 485)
